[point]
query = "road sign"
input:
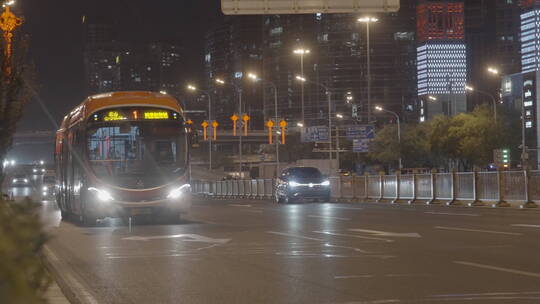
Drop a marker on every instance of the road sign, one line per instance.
(361, 135)
(234, 118)
(354, 111)
(274, 7)
(270, 125)
(315, 134)
(283, 125)
(360, 132)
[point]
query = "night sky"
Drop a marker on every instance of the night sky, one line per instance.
(55, 31)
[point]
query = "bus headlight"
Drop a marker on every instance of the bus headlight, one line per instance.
(326, 183)
(176, 193)
(102, 195)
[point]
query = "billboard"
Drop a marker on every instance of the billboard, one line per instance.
(315, 134)
(273, 7)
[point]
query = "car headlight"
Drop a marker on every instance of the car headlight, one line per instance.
(293, 184)
(102, 195)
(326, 183)
(176, 193)
(45, 188)
(26, 180)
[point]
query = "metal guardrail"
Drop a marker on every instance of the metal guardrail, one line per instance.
(476, 188)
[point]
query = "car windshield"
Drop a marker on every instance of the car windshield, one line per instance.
(137, 155)
(305, 173)
(20, 176)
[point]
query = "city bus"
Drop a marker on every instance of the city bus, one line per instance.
(123, 154)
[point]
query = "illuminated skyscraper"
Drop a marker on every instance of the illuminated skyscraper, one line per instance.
(441, 58)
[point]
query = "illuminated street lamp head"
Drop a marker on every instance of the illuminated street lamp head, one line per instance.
(469, 88)
(300, 78)
(378, 108)
(253, 76)
(9, 3)
(340, 116)
(220, 81)
(299, 124)
(493, 71)
(368, 19)
(191, 88)
(163, 92)
(302, 51)
(432, 98)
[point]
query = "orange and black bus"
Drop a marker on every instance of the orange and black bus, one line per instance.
(123, 154)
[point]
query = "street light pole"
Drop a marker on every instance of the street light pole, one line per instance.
(329, 98)
(368, 21)
(276, 115)
(239, 91)
(302, 52)
(192, 88)
(399, 131)
(493, 100)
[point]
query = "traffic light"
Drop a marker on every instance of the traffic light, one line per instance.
(502, 158)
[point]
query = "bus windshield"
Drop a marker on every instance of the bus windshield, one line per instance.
(137, 155)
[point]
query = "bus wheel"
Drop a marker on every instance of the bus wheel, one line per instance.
(88, 220)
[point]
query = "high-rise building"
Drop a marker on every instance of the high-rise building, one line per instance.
(102, 73)
(111, 65)
(232, 50)
(441, 58)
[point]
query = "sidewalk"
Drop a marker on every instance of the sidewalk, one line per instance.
(55, 296)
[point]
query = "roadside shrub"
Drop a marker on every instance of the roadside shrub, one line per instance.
(23, 277)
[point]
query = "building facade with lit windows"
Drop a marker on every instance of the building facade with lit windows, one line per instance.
(111, 65)
(441, 58)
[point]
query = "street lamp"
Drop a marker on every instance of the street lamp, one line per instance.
(380, 109)
(299, 124)
(302, 52)
(254, 77)
(339, 116)
(471, 89)
(329, 96)
(493, 71)
(432, 98)
(239, 91)
(368, 20)
(195, 89)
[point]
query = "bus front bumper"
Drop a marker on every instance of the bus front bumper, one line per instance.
(116, 208)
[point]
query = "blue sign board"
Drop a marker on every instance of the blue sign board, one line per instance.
(315, 134)
(361, 136)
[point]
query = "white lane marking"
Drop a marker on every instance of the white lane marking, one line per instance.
(70, 279)
(485, 294)
(330, 217)
(388, 234)
(525, 226)
(294, 236)
(353, 236)
(346, 247)
(514, 271)
(450, 213)
(183, 237)
(476, 230)
(368, 276)
(348, 208)
(239, 205)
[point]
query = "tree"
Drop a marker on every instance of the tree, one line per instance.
(23, 278)
(15, 92)
(385, 146)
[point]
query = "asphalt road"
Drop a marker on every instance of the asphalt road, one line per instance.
(260, 252)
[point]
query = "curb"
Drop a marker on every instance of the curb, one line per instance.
(65, 280)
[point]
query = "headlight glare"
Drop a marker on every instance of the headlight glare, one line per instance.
(326, 183)
(176, 193)
(102, 195)
(293, 184)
